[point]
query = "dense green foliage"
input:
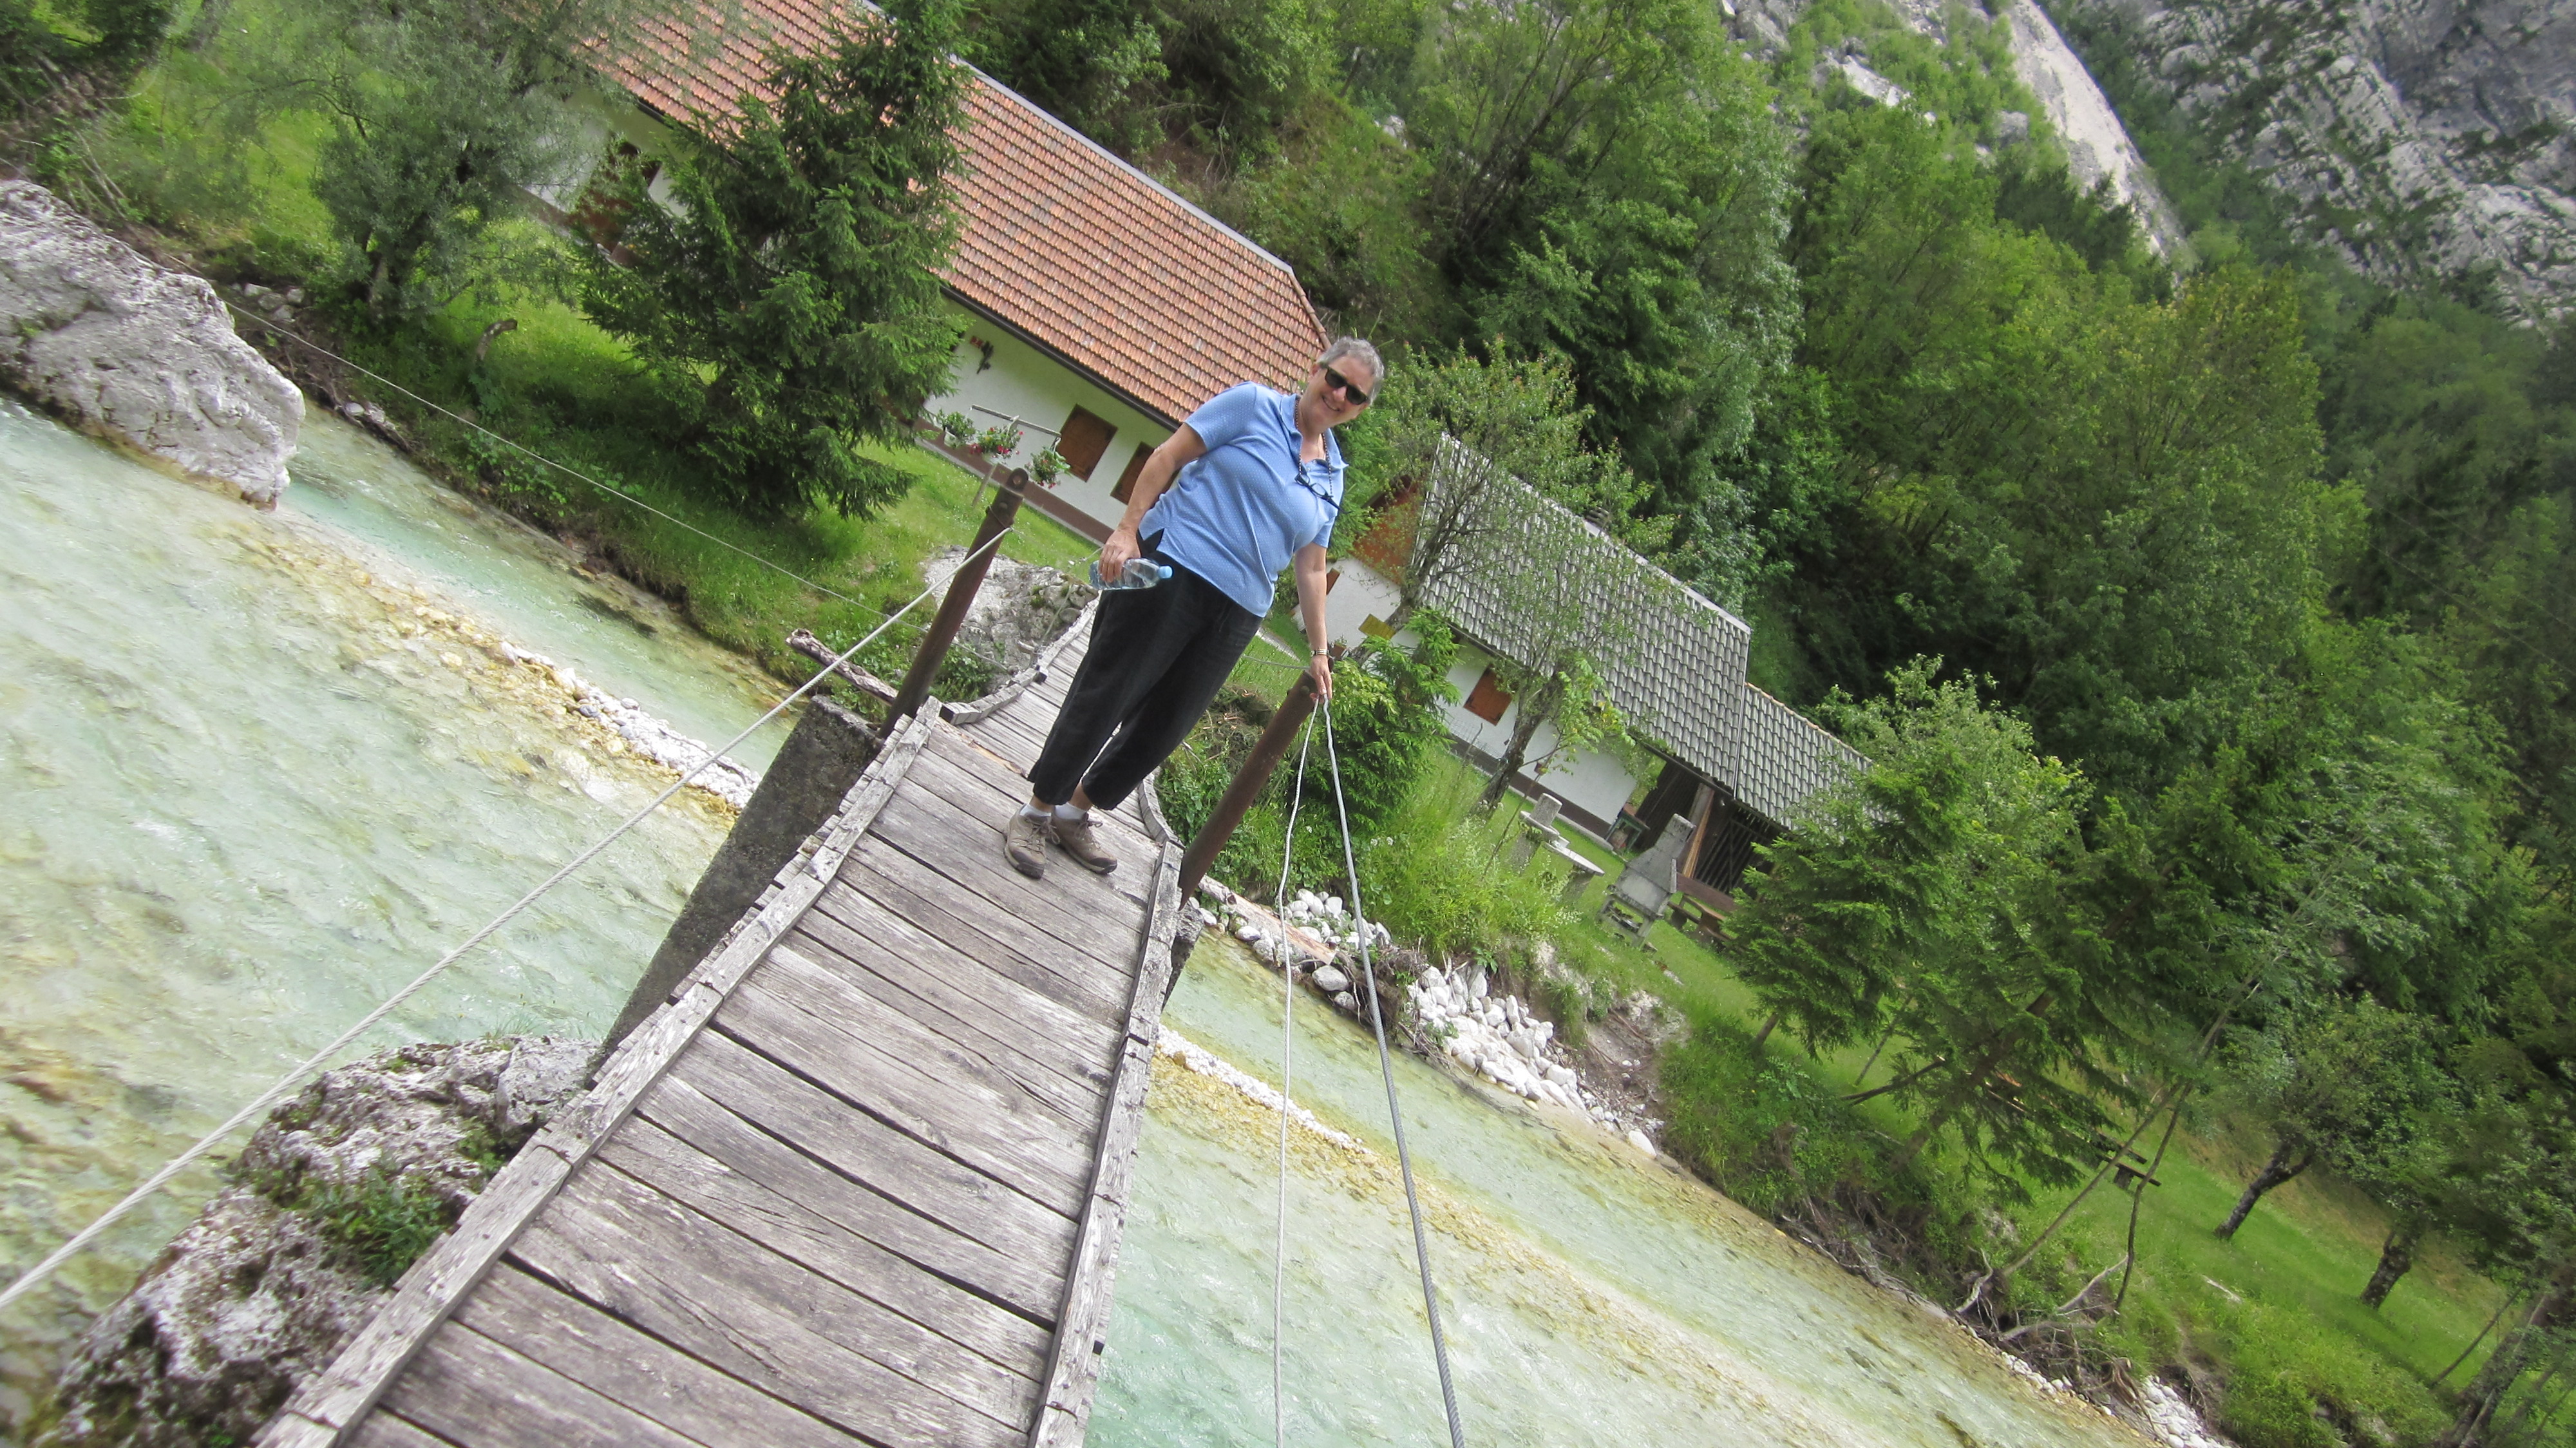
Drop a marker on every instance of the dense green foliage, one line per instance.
(96, 37)
(788, 301)
(2253, 585)
(442, 114)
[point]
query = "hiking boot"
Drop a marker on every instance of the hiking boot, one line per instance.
(1081, 841)
(1024, 844)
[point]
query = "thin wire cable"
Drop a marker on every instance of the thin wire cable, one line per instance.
(1395, 1113)
(614, 492)
(1287, 1078)
(159, 1179)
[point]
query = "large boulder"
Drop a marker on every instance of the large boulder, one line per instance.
(132, 351)
(1019, 610)
(334, 1195)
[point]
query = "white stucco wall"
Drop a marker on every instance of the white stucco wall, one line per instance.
(1025, 382)
(1360, 594)
(1597, 783)
(601, 119)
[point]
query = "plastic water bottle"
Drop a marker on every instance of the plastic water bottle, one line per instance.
(1140, 572)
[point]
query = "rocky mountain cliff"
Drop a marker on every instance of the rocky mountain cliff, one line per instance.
(2427, 140)
(2422, 138)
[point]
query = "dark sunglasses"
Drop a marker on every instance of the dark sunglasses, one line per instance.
(1333, 379)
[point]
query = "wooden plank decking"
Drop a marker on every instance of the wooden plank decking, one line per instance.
(859, 1181)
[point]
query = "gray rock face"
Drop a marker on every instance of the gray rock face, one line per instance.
(2097, 146)
(1020, 607)
(2421, 137)
(134, 351)
(264, 1288)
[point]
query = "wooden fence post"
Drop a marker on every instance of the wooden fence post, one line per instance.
(961, 595)
(1247, 784)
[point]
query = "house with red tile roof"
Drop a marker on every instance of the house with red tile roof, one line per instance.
(1100, 308)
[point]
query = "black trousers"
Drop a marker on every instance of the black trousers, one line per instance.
(1157, 656)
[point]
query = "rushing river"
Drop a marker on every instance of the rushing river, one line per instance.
(257, 769)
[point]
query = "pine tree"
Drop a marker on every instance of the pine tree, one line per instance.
(789, 295)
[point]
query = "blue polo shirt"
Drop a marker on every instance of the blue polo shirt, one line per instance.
(1237, 515)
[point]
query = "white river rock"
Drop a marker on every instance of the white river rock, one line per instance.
(135, 352)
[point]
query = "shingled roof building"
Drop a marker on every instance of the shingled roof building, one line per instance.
(1736, 763)
(1100, 308)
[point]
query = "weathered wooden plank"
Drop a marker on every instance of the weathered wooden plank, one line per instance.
(341, 1394)
(1075, 976)
(945, 1191)
(1020, 1032)
(959, 769)
(541, 1322)
(1073, 1368)
(1030, 1288)
(615, 1242)
(819, 1028)
(466, 1387)
(956, 994)
(384, 1430)
(801, 878)
(1010, 750)
(766, 1213)
(1077, 907)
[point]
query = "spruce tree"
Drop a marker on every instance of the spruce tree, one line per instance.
(788, 293)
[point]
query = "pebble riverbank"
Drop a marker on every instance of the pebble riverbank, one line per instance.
(1453, 1010)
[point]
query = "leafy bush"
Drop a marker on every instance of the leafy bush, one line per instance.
(789, 292)
(1765, 1129)
(1386, 723)
(1439, 874)
(384, 1221)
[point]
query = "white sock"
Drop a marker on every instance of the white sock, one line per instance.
(1066, 811)
(1034, 812)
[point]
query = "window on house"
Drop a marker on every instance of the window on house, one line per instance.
(600, 211)
(1487, 701)
(1084, 439)
(1127, 479)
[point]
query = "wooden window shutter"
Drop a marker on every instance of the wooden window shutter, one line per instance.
(1084, 439)
(1127, 479)
(1487, 701)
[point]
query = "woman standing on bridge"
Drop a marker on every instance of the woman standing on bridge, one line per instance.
(1260, 483)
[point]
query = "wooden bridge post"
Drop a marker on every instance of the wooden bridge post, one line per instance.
(961, 595)
(1257, 768)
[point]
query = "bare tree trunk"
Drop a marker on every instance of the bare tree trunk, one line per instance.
(1536, 705)
(2504, 1367)
(210, 19)
(2276, 1171)
(2497, 1316)
(2395, 1256)
(1764, 1034)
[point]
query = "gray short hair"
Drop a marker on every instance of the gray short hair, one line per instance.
(1354, 347)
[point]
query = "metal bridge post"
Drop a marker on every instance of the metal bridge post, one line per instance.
(961, 595)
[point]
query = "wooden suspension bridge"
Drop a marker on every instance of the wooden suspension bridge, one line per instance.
(860, 1178)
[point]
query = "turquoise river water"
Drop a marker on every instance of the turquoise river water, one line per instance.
(256, 769)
